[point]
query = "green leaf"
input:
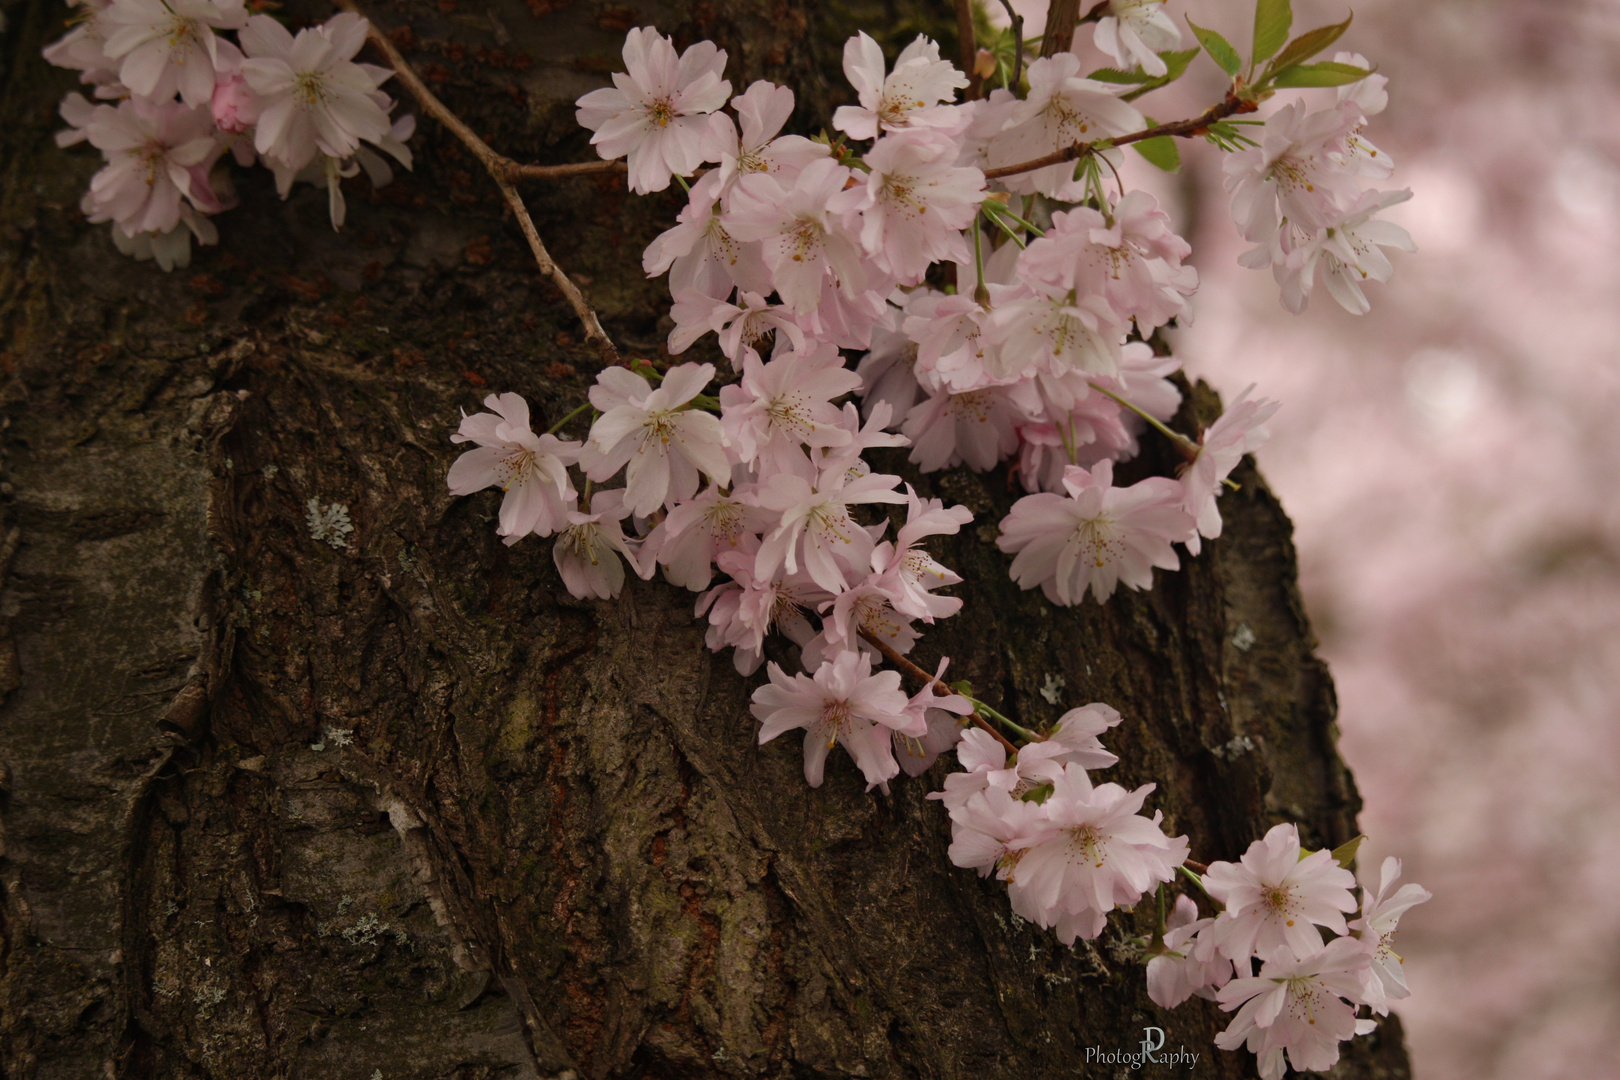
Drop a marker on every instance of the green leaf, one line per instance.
(1118, 77)
(1220, 50)
(1327, 73)
(1306, 46)
(1345, 853)
(1160, 152)
(1272, 18)
(1037, 794)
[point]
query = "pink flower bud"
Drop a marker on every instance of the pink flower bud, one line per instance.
(236, 108)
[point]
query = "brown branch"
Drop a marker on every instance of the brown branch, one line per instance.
(1196, 867)
(1185, 129)
(1062, 16)
(516, 171)
(917, 673)
(500, 169)
(968, 47)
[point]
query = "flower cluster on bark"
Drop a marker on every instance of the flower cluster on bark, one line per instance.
(173, 95)
(1001, 307)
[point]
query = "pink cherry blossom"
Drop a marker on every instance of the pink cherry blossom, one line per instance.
(587, 552)
(1097, 537)
(1294, 174)
(1297, 1004)
(780, 406)
(153, 152)
(531, 469)
(1276, 899)
(843, 704)
(700, 253)
(1239, 430)
(166, 47)
(665, 444)
(992, 830)
(744, 611)
(314, 97)
(1349, 250)
(1102, 854)
(84, 47)
(695, 531)
(1134, 32)
(762, 109)
(916, 202)
(911, 569)
(817, 519)
(941, 713)
(1189, 964)
(656, 112)
(978, 427)
(803, 239)
(1380, 915)
(912, 95)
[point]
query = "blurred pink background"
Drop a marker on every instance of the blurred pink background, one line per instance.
(1452, 464)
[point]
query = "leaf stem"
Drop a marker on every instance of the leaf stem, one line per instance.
(554, 428)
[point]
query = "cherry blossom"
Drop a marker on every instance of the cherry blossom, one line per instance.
(1134, 32)
(803, 238)
(665, 444)
(1239, 430)
(1380, 914)
(916, 203)
(1294, 174)
(154, 152)
(1097, 537)
(1189, 964)
(1275, 899)
(818, 520)
(1304, 1004)
(656, 112)
(166, 47)
(780, 406)
(912, 95)
(587, 552)
(697, 530)
(844, 703)
(314, 97)
(1101, 854)
(1062, 109)
(906, 564)
(531, 469)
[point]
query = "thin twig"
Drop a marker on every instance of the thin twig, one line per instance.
(923, 677)
(1185, 129)
(500, 169)
(517, 171)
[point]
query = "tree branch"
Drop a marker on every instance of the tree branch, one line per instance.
(968, 51)
(917, 673)
(1186, 129)
(503, 170)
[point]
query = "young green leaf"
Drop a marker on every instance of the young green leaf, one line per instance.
(1114, 75)
(1272, 18)
(1160, 151)
(1345, 853)
(1326, 73)
(1220, 50)
(1307, 45)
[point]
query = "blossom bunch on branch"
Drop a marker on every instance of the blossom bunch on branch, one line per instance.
(173, 95)
(969, 279)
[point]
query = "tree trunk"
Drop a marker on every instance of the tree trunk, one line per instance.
(401, 807)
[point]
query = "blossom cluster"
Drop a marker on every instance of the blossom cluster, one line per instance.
(173, 95)
(994, 313)
(1274, 904)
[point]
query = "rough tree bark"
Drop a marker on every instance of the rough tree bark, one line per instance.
(405, 809)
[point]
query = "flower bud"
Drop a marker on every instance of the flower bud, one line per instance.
(236, 108)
